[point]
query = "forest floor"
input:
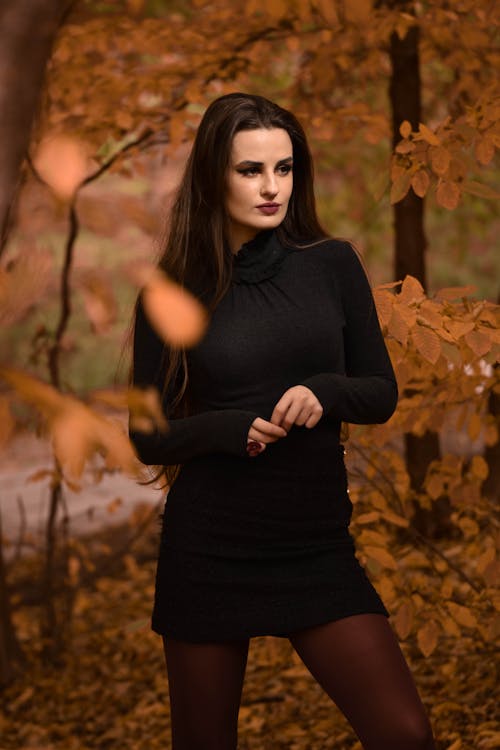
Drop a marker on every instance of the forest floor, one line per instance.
(110, 688)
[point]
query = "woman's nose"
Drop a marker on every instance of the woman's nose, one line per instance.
(269, 185)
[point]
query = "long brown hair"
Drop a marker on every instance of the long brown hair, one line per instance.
(196, 253)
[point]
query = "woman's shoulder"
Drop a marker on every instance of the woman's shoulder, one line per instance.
(336, 253)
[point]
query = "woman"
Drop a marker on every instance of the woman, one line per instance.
(255, 536)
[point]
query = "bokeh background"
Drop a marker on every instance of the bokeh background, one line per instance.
(100, 102)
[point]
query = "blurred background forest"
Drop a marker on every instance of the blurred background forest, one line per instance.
(100, 101)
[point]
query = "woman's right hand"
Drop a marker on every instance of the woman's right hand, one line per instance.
(262, 432)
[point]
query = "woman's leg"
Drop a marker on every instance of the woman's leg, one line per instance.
(358, 662)
(205, 684)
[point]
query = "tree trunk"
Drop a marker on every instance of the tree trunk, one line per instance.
(404, 92)
(410, 241)
(11, 655)
(27, 32)
(491, 486)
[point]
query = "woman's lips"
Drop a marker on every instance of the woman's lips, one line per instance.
(269, 208)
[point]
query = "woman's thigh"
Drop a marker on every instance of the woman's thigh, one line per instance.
(358, 662)
(205, 685)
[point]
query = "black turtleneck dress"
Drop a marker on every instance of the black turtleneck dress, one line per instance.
(260, 545)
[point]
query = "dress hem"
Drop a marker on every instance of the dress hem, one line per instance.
(217, 633)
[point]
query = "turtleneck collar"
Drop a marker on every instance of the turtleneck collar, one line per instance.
(259, 258)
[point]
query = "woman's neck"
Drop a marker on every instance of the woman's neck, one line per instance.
(238, 236)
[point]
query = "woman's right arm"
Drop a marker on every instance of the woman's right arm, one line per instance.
(208, 432)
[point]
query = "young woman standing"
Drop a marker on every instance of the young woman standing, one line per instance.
(255, 537)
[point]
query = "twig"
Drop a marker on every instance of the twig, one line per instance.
(148, 133)
(55, 348)
(21, 532)
(381, 474)
(410, 530)
(90, 577)
(418, 535)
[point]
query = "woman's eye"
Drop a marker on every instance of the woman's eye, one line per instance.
(282, 170)
(249, 172)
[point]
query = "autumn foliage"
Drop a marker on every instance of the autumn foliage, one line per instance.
(443, 156)
(444, 350)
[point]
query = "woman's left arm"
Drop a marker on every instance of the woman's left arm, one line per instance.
(368, 392)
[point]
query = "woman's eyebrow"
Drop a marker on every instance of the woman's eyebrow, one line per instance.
(250, 163)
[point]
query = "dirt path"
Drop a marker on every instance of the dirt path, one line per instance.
(24, 501)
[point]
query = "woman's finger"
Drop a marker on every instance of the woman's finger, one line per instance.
(313, 418)
(298, 405)
(298, 411)
(263, 437)
(267, 429)
(282, 407)
(290, 416)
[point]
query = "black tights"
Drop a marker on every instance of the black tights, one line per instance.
(356, 660)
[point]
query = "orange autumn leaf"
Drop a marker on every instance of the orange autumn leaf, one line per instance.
(403, 620)
(455, 292)
(485, 559)
(405, 147)
(62, 162)
(448, 194)
(405, 129)
(398, 327)
(427, 637)
(381, 556)
(440, 159)
(411, 290)
(400, 187)
(384, 302)
(396, 519)
(276, 8)
(478, 342)
(143, 404)
(462, 615)
(76, 432)
(176, 315)
(479, 467)
(358, 11)
(329, 12)
(43, 396)
(484, 149)
(368, 517)
(420, 182)
(427, 135)
(427, 342)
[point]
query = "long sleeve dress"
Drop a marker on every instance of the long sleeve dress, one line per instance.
(260, 545)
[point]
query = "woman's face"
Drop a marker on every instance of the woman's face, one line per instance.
(259, 182)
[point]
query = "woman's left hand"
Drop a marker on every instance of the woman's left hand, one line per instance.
(298, 405)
